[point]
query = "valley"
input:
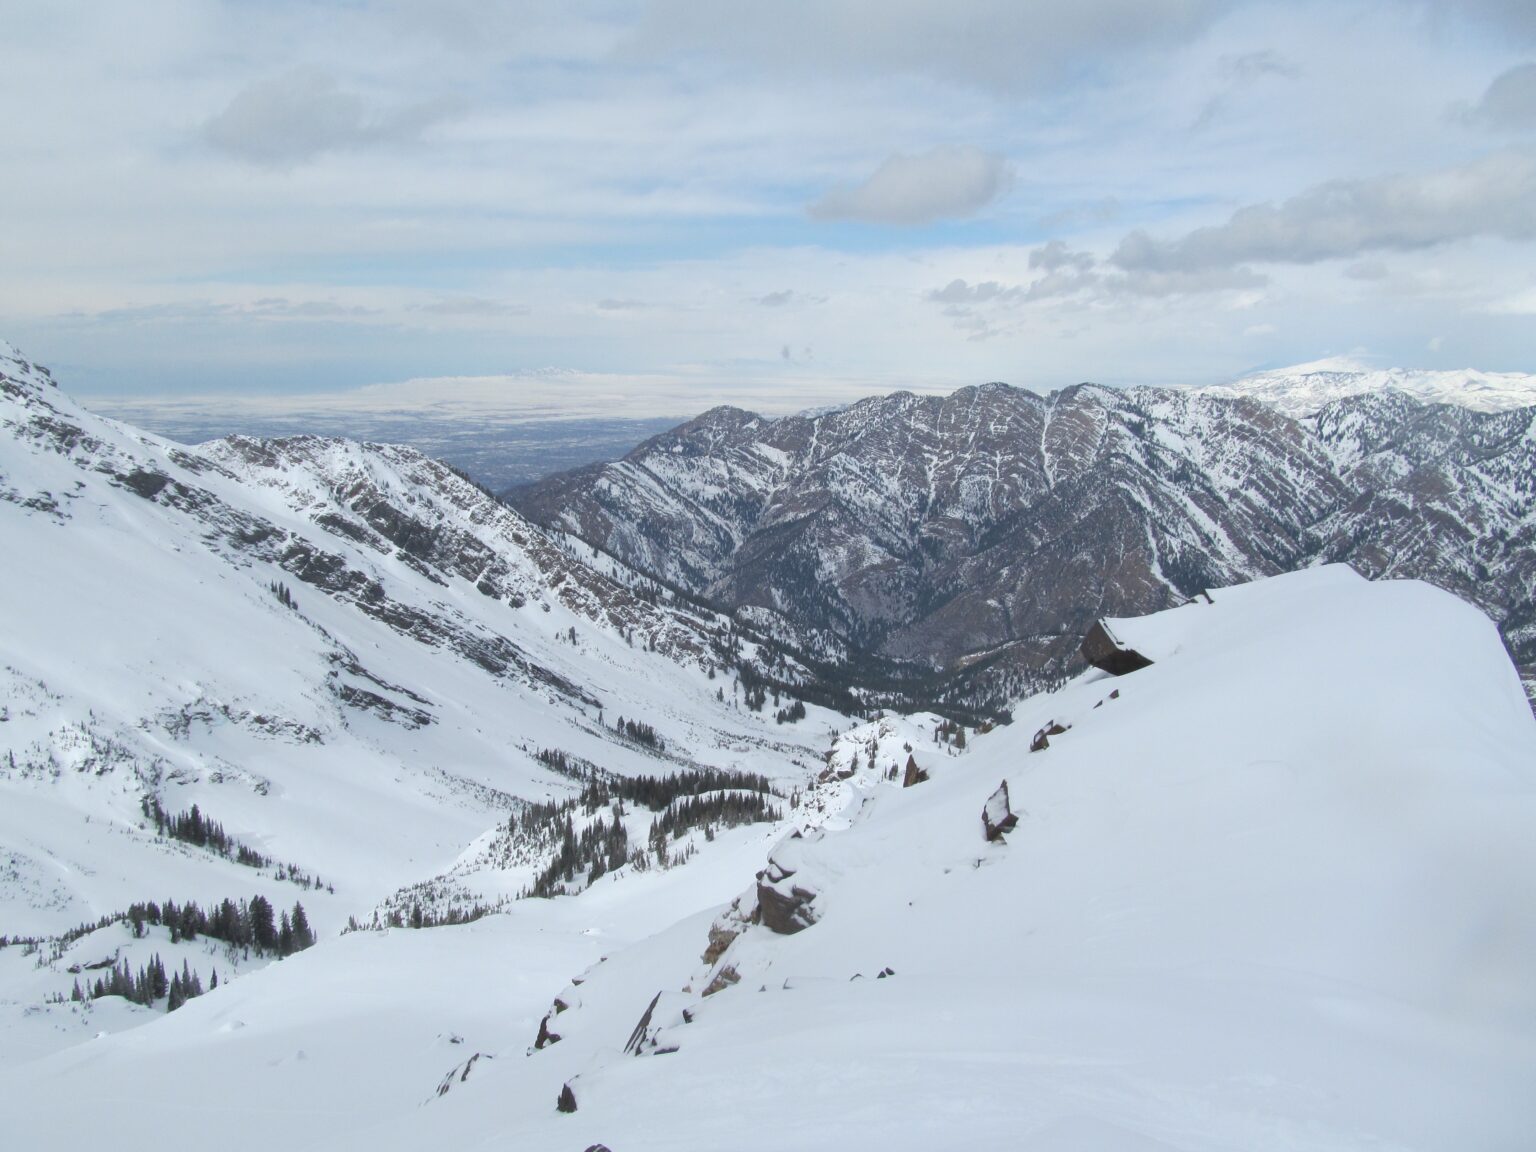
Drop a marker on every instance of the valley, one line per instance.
(442, 826)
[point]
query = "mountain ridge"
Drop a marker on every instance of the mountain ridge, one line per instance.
(995, 518)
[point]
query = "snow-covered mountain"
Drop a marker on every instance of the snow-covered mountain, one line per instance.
(347, 659)
(1271, 892)
(983, 531)
(1305, 389)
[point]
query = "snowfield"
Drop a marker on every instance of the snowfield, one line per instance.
(1274, 891)
(1304, 389)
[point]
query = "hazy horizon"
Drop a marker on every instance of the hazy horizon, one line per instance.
(792, 206)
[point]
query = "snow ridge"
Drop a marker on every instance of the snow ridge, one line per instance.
(1304, 390)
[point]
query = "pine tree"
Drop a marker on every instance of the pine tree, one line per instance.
(263, 930)
(303, 934)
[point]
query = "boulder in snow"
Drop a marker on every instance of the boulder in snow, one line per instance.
(1101, 649)
(914, 774)
(784, 902)
(997, 816)
(545, 1037)
(1042, 739)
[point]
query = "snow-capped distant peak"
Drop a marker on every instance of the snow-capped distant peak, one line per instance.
(1327, 365)
(1301, 390)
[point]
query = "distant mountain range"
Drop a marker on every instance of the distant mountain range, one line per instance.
(978, 534)
(1305, 389)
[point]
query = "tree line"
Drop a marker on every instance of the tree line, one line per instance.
(192, 827)
(248, 925)
(253, 925)
(656, 792)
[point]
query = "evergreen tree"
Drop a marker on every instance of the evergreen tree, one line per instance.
(303, 934)
(263, 929)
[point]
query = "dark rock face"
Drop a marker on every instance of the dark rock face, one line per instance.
(545, 1037)
(986, 531)
(638, 1036)
(997, 816)
(460, 1073)
(913, 774)
(146, 484)
(783, 903)
(567, 1100)
(1103, 651)
(785, 913)
(1042, 738)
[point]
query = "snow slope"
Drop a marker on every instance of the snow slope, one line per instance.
(1305, 389)
(1274, 891)
(368, 730)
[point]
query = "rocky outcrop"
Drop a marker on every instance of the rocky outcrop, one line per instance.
(1042, 738)
(1101, 649)
(784, 897)
(997, 816)
(913, 774)
(721, 980)
(460, 1073)
(546, 1036)
(637, 1037)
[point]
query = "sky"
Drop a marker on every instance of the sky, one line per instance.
(780, 204)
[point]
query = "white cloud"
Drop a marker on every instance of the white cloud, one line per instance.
(1514, 18)
(943, 183)
(786, 297)
(1367, 270)
(960, 292)
(1004, 46)
(436, 167)
(304, 113)
(1493, 196)
(1509, 105)
(1251, 66)
(1516, 304)
(1055, 255)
